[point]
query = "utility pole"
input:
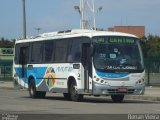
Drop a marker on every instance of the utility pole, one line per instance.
(94, 16)
(85, 5)
(82, 11)
(24, 19)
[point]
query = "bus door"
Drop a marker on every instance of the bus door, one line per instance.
(87, 64)
(24, 51)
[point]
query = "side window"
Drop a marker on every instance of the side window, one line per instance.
(17, 53)
(76, 49)
(24, 55)
(61, 50)
(48, 51)
(21, 53)
(36, 55)
(75, 53)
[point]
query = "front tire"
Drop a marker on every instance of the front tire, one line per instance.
(117, 98)
(74, 93)
(33, 92)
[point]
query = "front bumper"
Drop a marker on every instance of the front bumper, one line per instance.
(99, 89)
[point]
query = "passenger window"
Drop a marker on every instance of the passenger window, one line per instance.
(48, 51)
(61, 51)
(36, 56)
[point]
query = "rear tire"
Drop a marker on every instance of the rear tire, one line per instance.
(117, 98)
(67, 96)
(74, 93)
(33, 92)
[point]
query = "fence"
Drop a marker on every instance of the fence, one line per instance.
(152, 65)
(6, 72)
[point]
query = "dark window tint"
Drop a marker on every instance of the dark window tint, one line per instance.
(21, 53)
(76, 49)
(36, 56)
(24, 55)
(16, 56)
(75, 55)
(48, 49)
(61, 51)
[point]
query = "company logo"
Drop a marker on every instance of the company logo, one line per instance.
(64, 69)
(50, 77)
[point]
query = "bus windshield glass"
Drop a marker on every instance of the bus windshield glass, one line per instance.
(117, 54)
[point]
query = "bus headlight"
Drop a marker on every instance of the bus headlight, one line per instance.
(141, 81)
(102, 81)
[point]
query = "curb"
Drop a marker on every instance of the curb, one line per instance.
(145, 97)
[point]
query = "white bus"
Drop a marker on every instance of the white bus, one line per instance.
(80, 62)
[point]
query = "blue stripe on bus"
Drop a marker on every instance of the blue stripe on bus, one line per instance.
(36, 72)
(111, 75)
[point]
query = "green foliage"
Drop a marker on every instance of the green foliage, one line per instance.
(153, 45)
(5, 43)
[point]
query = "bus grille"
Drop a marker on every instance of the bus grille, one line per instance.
(115, 91)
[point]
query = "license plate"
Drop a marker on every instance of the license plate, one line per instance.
(122, 89)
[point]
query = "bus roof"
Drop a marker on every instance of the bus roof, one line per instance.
(73, 33)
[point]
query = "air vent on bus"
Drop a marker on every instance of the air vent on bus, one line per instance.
(67, 31)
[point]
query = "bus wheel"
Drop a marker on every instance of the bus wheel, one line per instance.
(74, 93)
(41, 94)
(33, 92)
(67, 96)
(117, 98)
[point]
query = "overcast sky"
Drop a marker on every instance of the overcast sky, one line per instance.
(55, 15)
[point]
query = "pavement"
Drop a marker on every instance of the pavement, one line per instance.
(151, 92)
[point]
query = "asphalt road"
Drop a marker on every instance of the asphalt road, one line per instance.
(19, 102)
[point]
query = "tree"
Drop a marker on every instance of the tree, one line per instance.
(5, 43)
(153, 45)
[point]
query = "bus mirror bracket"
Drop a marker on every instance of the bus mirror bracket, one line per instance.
(91, 49)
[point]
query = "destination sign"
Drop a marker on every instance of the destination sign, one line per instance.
(122, 40)
(101, 40)
(116, 40)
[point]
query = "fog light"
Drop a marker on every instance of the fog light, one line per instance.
(102, 81)
(97, 79)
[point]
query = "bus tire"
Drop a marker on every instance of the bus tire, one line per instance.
(41, 94)
(117, 98)
(67, 96)
(74, 93)
(33, 92)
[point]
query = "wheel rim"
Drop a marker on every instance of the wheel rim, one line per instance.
(31, 90)
(74, 91)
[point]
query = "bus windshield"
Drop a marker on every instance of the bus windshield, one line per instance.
(117, 54)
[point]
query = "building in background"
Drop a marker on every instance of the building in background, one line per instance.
(6, 63)
(139, 31)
